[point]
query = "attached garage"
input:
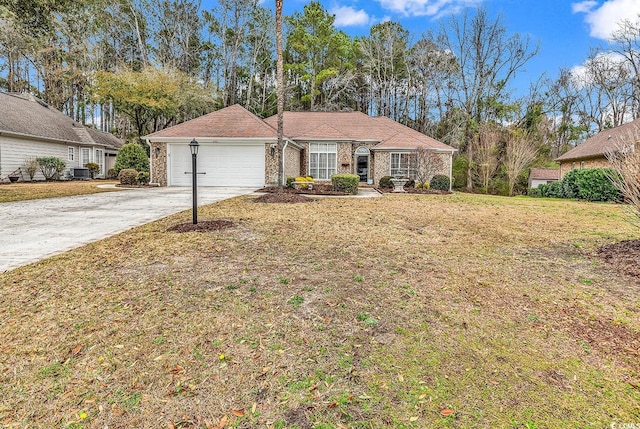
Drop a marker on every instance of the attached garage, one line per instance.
(236, 164)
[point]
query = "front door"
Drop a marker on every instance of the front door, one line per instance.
(362, 167)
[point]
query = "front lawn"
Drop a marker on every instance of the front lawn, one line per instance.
(406, 311)
(36, 190)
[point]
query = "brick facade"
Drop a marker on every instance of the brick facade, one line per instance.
(159, 163)
(292, 158)
(598, 162)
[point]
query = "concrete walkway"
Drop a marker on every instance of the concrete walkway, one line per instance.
(36, 229)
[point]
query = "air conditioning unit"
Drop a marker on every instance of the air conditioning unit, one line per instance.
(80, 173)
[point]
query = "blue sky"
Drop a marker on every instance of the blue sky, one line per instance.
(564, 29)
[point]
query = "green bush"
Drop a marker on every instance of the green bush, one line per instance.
(143, 177)
(459, 171)
(570, 187)
(410, 184)
(93, 169)
(128, 176)
(345, 183)
(132, 155)
(385, 182)
(594, 184)
(51, 167)
(440, 182)
(290, 181)
(552, 190)
(112, 173)
(535, 192)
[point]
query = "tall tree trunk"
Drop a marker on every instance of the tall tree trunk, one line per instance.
(280, 94)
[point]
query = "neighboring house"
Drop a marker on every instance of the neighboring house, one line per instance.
(239, 149)
(593, 152)
(29, 128)
(543, 176)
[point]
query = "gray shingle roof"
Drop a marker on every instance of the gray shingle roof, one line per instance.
(604, 142)
(26, 115)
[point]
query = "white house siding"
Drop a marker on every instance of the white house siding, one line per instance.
(14, 151)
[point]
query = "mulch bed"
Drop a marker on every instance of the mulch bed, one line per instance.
(623, 256)
(284, 197)
(203, 226)
(415, 191)
(317, 189)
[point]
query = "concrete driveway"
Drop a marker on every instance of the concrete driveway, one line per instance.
(36, 229)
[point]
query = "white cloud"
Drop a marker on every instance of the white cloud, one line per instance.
(347, 16)
(584, 6)
(426, 7)
(603, 19)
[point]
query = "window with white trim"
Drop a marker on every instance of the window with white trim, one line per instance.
(323, 160)
(71, 153)
(100, 160)
(85, 156)
(403, 164)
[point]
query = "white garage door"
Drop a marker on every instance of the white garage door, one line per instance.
(223, 165)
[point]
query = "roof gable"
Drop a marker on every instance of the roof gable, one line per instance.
(231, 122)
(356, 126)
(24, 114)
(604, 142)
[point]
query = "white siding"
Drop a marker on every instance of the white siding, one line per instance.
(14, 151)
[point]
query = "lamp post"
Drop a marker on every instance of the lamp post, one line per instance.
(193, 146)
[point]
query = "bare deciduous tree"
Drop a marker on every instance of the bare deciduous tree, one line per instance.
(485, 153)
(521, 149)
(625, 161)
(428, 164)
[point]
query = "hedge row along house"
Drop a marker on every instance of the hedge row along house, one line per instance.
(29, 129)
(237, 148)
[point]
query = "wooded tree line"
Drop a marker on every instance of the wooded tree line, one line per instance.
(136, 66)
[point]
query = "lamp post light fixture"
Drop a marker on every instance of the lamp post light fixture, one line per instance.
(193, 146)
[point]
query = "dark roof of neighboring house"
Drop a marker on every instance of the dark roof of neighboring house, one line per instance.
(544, 174)
(26, 115)
(231, 122)
(604, 142)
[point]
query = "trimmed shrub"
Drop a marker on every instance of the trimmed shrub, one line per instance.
(570, 187)
(426, 185)
(440, 182)
(385, 182)
(143, 177)
(93, 169)
(128, 176)
(345, 183)
(552, 190)
(535, 192)
(290, 181)
(410, 184)
(132, 155)
(594, 184)
(112, 173)
(51, 167)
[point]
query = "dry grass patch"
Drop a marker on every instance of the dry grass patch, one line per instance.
(37, 190)
(406, 311)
